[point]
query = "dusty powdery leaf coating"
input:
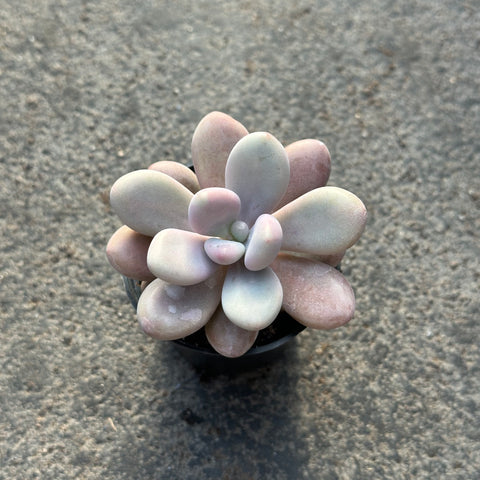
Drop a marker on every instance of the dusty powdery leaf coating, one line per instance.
(213, 210)
(149, 201)
(258, 171)
(251, 240)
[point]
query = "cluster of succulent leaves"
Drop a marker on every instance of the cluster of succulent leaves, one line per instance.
(255, 229)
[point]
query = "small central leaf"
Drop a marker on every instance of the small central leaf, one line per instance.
(224, 252)
(263, 243)
(239, 231)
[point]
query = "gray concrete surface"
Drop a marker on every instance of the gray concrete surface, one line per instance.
(90, 90)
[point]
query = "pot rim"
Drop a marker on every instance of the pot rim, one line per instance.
(133, 290)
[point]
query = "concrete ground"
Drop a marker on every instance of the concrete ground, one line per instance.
(90, 90)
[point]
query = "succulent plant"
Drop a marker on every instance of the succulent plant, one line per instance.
(252, 231)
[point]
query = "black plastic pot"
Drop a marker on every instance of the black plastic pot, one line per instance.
(269, 346)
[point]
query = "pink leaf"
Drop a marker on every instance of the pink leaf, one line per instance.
(212, 211)
(178, 257)
(315, 294)
(263, 243)
(227, 338)
(169, 312)
(212, 142)
(309, 168)
(324, 221)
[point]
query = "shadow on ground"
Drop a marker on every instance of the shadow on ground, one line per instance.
(239, 426)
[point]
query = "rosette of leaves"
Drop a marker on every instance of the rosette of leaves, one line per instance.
(254, 230)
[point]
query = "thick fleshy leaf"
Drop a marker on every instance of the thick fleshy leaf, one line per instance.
(178, 257)
(179, 172)
(127, 253)
(314, 294)
(309, 168)
(263, 243)
(251, 300)
(149, 201)
(212, 211)
(258, 171)
(332, 260)
(169, 312)
(212, 142)
(224, 252)
(239, 230)
(324, 221)
(226, 338)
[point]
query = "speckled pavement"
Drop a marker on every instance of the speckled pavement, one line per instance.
(91, 90)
